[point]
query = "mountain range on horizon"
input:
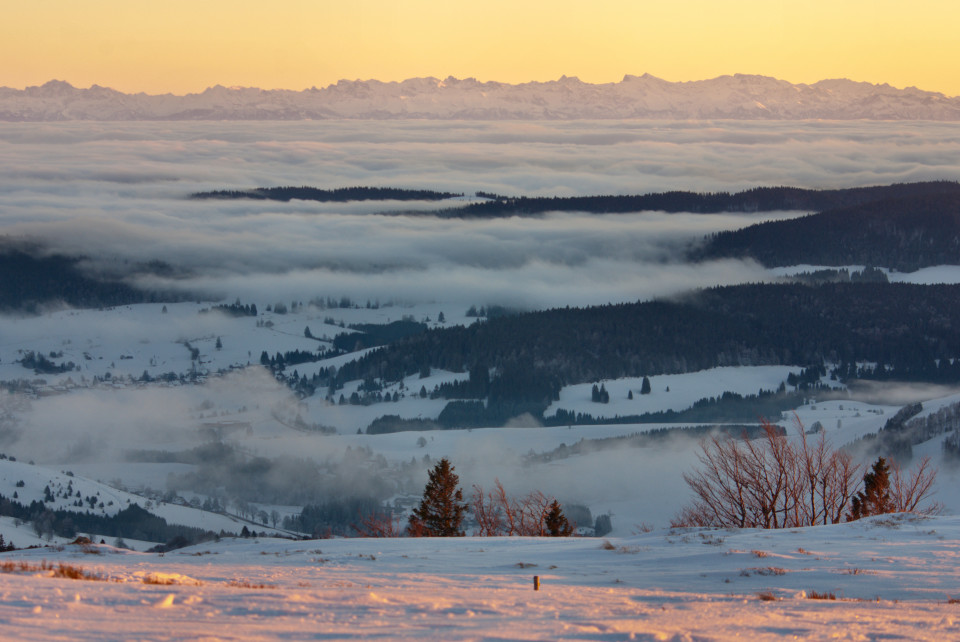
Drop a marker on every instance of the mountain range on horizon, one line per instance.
(739, 96)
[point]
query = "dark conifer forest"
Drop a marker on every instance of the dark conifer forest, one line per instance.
(904, 233)
(913, 329)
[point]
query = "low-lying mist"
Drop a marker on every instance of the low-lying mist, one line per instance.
(117, 194)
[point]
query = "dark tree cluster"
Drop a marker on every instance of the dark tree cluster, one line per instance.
(599, 395)
(333, 517)
(235, 309)
(760, 199)
(133, 522)
(341, 194)
(41, 364)
(902, 233)
(32, 279)
(727, 407)
(909, 327)
(369, 335)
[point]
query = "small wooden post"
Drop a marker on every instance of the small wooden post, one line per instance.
(536, 582)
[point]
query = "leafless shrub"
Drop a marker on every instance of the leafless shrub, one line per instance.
(909, 490)
(857, 571)
(773, 482)
(250, 585)
(767, 596)
(157, 580)
(765, 571)
(380, 525)
(497, 514)
(760, 553)
(771, 570)
(68, 571)
(816, 595)
(607, 546)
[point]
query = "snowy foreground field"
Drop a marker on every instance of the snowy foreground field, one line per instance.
(893, 577)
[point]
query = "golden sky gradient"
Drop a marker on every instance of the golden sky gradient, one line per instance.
(183, 46)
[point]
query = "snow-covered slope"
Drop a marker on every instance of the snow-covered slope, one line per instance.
(891, 577)
(730, 97)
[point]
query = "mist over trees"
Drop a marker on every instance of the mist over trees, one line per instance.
(34, 279)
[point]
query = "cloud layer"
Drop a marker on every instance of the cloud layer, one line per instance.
(117, 193)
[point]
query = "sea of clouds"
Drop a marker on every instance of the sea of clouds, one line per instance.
(117, 193)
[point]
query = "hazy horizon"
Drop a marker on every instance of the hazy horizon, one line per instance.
(184, 46)
(493, 80)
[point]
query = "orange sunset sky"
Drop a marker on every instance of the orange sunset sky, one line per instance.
(183, 46)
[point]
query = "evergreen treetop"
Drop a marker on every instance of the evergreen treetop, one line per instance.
(875, 498)
(441, 510)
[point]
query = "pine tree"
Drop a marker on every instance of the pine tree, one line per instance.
(875, 498)
(441, 510)
(645, 386)
(556, 523)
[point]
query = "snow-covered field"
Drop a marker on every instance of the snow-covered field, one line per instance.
(893, 577)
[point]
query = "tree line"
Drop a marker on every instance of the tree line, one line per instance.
(340, 194)
(759, 199)
(531, 356)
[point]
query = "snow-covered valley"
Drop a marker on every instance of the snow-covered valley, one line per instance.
(181, 409)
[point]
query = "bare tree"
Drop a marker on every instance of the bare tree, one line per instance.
(909, 491)
(497, 514)
(381, 524)
(777, 481)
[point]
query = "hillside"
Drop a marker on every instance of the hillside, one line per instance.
(904, 233)
(891, 577)
(904, 326)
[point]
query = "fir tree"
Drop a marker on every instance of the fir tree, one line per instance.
(441, 510)
(556, 522)
(875, 498)
(645, 386)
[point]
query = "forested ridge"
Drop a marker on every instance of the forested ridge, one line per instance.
(759, 199)
(341, 194)
(904, 233)
(30, 279)
(905, 327)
